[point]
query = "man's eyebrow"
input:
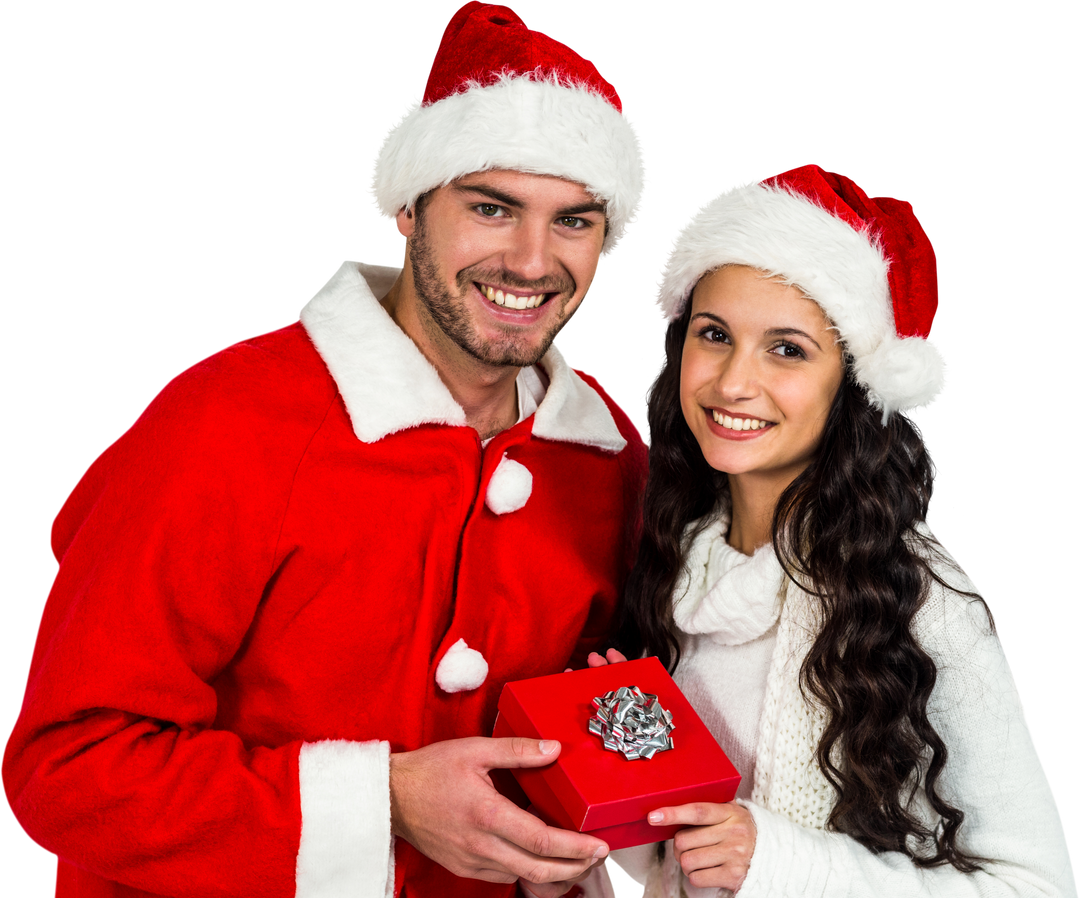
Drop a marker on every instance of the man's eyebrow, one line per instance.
(584, 208)
(506, 199)
(503, 199)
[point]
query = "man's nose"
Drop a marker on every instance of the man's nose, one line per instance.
(529, 254)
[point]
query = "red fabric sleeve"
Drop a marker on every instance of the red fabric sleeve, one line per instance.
(165, 548)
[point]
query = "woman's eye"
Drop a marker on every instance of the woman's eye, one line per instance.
(714, 335)
(789, 351)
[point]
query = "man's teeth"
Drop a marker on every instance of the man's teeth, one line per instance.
(738, 423)
(510, 301)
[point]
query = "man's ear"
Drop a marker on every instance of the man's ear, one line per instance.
(406, 222)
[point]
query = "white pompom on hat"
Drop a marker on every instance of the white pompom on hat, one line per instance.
(500, 96)
(866, 262)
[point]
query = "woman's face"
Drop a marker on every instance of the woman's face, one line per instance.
(760, 370)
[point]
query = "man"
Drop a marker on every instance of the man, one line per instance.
(289, 596)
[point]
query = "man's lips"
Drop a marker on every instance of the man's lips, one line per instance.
(510, 300)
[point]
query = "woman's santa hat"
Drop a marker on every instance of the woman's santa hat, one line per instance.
(503, 97)
(866, 262)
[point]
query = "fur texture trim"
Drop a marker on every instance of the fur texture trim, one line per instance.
(845, 271)
(572, 411)
(509, 488)
(538, 126)
(345, 829)
(387, 384)
(461, 669)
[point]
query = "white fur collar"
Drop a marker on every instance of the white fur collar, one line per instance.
(730, 597)
(388, 385)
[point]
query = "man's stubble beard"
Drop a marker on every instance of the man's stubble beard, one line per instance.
(445, 310)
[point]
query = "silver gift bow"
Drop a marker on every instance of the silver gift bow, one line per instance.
(633, 722)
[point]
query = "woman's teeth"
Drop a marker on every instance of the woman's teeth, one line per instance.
(738, 423)
(510, 301)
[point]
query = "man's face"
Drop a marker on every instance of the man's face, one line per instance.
(500, 261)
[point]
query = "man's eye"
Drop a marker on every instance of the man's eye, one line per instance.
(489, 210)
(571, 221)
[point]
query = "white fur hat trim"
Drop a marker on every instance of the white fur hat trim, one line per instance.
(538, 126)
(509, 488)
(845, 271)
(461, 669)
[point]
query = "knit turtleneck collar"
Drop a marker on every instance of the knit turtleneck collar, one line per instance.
(731, 597)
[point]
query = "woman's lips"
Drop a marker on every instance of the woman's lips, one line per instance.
(737, 427)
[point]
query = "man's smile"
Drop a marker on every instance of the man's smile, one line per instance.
(512, 300)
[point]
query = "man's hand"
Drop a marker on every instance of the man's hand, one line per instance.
(443, 803)
(554, 889)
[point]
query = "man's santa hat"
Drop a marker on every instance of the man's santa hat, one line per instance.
(503, 97)
(866, 262)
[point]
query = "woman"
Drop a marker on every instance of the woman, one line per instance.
(786, 572)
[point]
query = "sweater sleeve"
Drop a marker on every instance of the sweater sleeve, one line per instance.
(992, 774)
(115, 764)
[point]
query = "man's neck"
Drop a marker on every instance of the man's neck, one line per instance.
(486, 393)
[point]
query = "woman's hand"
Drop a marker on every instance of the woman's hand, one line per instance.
(612, 656)
(715, 849)
(595, 659)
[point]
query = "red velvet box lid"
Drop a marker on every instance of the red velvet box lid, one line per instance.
(597, 791)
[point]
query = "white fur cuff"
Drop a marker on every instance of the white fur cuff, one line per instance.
(346, 850)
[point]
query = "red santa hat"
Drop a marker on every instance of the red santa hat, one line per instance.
(503, 97)
(866, 262)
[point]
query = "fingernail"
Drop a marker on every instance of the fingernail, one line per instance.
(547, 746)
(600, 852)
(656, 817)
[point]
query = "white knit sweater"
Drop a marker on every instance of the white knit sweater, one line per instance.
(746, 633)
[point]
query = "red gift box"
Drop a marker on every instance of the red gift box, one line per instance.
(593, 790)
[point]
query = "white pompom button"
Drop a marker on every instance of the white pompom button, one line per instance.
(509, 488)
(461, 669)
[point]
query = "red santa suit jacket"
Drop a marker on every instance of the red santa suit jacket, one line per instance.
(298, 560)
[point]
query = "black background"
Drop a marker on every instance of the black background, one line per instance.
(184, 182)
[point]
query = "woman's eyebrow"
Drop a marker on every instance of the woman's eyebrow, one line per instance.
(710, 316)
(772, 332)
(790, 332)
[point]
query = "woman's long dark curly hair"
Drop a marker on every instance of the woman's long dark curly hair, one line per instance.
(846, 527)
